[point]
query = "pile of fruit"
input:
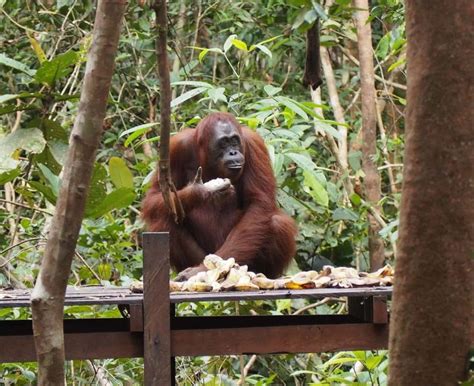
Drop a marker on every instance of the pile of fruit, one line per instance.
(227, 275)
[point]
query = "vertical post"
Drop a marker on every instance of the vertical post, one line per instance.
(156, 307)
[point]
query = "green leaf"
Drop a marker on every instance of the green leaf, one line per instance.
(6, 61)
(193, 83)
(45, 190)
(271, 90)
(30, 140)
(328, 129)
(217, 94)
(240, 45)
(37, 48)
(264, 49)
(398, 63)
(57, 68)
(382, 48)
(97, 189)
(187, 95)
(9, 176)
(302, 161)
(293, 106)
(120, 174)
(344, 214)
(136, 132)
(104, 271)
(59, 151)
(315, 189)
(119, 198)
(53, 180)
(228, 42)
(202, 54)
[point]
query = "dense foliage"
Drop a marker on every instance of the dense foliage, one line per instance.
(245, 57)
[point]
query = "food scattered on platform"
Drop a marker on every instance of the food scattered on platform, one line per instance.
(227, 275)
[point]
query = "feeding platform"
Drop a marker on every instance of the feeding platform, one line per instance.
(150, 328)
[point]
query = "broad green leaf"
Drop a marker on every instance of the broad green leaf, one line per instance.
(344, 214)
(9, 176)
(57, 68)
(6, 61)
(217, 94)
(30, 140)
(45, 190)
(187, 95)
(119, 198)
(355, 158)
(58, 150)
(315, 189)
(382, 48)
(293, 106)
(372, 362)
(52, 179)
(97, 189)
(240, 44)
(120, 174)
(271, 90)
(328, 129)
(302, 161)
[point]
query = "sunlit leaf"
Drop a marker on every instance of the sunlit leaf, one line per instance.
(240, 45)
(37, 48)
(6, 61)
(187, 95)
(120, 174)
(315, 189)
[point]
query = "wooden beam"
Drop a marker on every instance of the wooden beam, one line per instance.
(156, 309)
(279, 339)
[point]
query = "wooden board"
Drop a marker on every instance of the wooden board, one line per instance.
(122, 295)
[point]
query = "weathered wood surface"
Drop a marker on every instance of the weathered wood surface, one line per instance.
(156, 309)
(121, 295)
(112, 338)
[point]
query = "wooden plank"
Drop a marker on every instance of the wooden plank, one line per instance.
(156, 309)
(94, 345)
(121, 295)
(182, 297)
(279, 339)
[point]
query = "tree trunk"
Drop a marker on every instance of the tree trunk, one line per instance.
(432, 322)
(369, 132)
(48, 295)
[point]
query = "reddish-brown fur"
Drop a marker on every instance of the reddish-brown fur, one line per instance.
(244, 223)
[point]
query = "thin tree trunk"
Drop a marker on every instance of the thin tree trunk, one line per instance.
(432, 319)
(48, 295)
(167, 187)
(369, 132)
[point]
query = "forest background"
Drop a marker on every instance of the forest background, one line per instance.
(243, 57)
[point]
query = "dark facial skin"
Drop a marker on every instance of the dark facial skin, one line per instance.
(226, 151)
